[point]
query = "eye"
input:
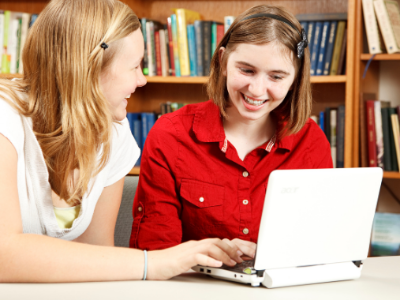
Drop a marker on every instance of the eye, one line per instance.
(276, 77)
(246, 71)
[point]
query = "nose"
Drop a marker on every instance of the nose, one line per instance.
(141, 80)
(258, 86)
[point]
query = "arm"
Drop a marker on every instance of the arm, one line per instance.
(36, 258)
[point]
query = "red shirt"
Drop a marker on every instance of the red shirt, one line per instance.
(193, 185)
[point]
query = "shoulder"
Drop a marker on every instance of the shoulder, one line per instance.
(11, 123)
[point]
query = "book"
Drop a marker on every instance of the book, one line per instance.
(337, 48)
(322, 120)
(370, 117)
(192, 50)
(371, 27)
(228, 20)
(135, 123)
(150, 48)
(384, 20)
(1, 35)
(333, 127)
(167, 48)
(363, 128)
(13, 39)
(329, 48)
(24, 33)
(184, 17)
(396, 136)
(198, 28)
(385, 239)
(322, 17)
(386, 123)
(322, 48)
(340, 136)
(174, 30)
(214, 36)
(378, 134)
(5, 58)
(341, 69)
(145, 67)
(393, 155)
(33, 19)
(206, 47)
(164, 54)
(171, 47)
(220, 33)
(315, 47)
(157, 34)
(310, 35)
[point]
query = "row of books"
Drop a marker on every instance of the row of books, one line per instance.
(182, 47)
(332, 122)
(380, 135)
(14, 28)
(386, 36)
(385, 239)
(327, 36)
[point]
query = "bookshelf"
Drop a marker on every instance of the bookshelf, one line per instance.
(327, 90)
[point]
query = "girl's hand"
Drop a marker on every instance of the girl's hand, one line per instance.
(248, 249)
(164, 264)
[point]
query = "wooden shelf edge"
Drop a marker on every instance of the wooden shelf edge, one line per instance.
(134, 171)
(384, 56)
(394, 175)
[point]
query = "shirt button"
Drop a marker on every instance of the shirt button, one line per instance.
(245, 202)
(245, 174)
(139, 208)
(201, 199)
(245, 231)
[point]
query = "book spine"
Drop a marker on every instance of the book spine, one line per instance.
(378, 134)
(174, 29)
(18, 52)
(315, 46)
(228, 20)
(363, 132)
(321, 17)
(171, 47)
(213, 37)
(341, 70)
(5, 58)
(386, 143)
(13, 42)
(333, 123)
(396, 136)
(1, 36)
(158, 51)
(371, 27)
(393, 11)
(322, 48)
(183, 42)
(393, 156)
(137, 134)
(322, 120)
(384, 25)
(164, 55)
(327, 127)
(24, 33)
(370, 117)
(167, 51)
(145, 57)
(340, 137)
(150, 49)
(337, 48)
(144, 128)
(220, 33)
(207, 46)
(199, 47)
(192, 50)
(310, 36)
(329, 48)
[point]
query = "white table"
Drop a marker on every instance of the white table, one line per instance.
(380, 279)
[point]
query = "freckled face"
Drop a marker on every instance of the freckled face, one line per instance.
(124, 74)
(258, 79)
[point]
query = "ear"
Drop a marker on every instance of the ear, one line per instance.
(221, 52)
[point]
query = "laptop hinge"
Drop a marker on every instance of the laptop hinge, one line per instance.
(358, 263)
(260, 273)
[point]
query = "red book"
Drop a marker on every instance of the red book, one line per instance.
(220, 33)
(158, 52)
(171, 47)
(370, 117)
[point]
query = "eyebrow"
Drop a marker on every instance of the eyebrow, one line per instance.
(251, 66)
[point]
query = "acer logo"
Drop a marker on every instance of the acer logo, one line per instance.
(289, 190)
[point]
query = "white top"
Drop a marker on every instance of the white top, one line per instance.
(34, 189)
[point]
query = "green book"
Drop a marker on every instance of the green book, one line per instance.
(5, 61)
(387, 161)
(393, 155)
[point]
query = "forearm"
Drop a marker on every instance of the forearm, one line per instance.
(35, 258)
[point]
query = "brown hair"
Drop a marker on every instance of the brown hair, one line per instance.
(62, 60)
(296, 108)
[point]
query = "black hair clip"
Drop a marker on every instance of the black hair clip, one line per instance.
(104, 46)
(302, 44)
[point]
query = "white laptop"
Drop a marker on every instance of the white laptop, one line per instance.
(315, 227)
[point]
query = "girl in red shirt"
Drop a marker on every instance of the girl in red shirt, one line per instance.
(205, 167)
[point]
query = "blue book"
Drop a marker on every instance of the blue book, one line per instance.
(322, 120)
(148, 120)
(174, 30)
(198, 28)
(385, 234)
(340, 137)
(304, 25)
(322, 48)
(192, 50)
(329, 48)
(145, 58)
(310, 36)
(315, 47)
(33, 19)
(135, 121)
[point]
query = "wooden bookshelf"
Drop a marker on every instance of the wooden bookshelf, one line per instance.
(385, 56)
(135, 171)
(392, 175)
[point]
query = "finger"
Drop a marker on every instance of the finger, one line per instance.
(239, 253)
(204, 260)
(231, 249)
(248, 248)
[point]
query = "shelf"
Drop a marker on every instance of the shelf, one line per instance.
(395, 175)
(134, 171)
(384, 56)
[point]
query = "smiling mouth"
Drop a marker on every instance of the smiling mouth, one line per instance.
(253, 102)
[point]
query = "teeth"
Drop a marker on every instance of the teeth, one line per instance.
(128, 96)
(253, 102)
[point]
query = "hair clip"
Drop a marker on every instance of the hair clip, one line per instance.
(104, 46)
(302, 44)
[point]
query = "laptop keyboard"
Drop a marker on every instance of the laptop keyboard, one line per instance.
(246, 267)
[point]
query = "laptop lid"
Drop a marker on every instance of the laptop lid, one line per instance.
(317, 216)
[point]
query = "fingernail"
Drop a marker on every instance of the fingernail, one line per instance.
(218, 263)
(233, 262)
(240, 253)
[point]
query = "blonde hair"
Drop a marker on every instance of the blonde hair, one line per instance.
(62, 60)
(296, 108)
